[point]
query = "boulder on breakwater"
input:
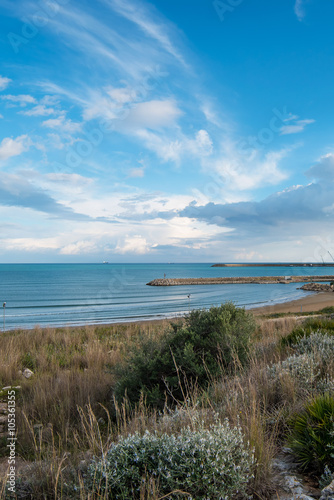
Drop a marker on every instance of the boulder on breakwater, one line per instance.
(317, 287)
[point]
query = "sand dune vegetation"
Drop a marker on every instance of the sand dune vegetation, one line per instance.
(197, 408)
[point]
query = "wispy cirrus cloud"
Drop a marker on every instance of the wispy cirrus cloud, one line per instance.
(155, 29)
(296, 127)
(299, 10)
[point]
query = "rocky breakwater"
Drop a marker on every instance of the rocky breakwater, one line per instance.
(262, 280)
(210, 281)
(317, 287)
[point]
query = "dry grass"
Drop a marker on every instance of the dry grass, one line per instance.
(63, 410)
(66, 412)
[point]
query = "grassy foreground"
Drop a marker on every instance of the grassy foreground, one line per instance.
(177, 386)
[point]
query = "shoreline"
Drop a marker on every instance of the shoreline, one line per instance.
(314, 302)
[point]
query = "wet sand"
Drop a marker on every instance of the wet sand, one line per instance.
(313, 302)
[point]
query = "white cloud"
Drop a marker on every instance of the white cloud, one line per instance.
(290, 117)
(136, 172)
(13, 147)
(155, 30)
(152, 114)
(4, 82)
(73, 179)
(122, 95)
(233, 172)
(31, 244)
(323, 170)
(174, 148)
(297, 127)
(165, 148)
(211, 115)
(120, 106)
(62, 124)
(135, 245)
(80, 247)
(245, 255)
(292, 214)
(49, 100)
(102, 45)
(203, 143)
(39, 110)
(299, 9)
(100, 106)
(55, 141)
(19, 100)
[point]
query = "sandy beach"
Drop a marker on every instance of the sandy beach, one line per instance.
(313, 302)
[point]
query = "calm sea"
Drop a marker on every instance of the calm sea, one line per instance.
(77, 294)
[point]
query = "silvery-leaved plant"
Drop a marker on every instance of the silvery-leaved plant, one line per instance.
(308, 365)
(318, 343)
(302, 367)
(213, 463)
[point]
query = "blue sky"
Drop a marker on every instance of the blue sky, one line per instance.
(194, 131)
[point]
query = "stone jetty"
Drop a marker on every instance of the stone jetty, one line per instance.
(262, 280)
(317, 287)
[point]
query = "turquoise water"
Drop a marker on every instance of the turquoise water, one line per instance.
(77, 294)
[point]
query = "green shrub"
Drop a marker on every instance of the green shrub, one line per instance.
(310, 326)
(29, 361)
(228, 327)
(194, 353)
(328, 309)
(324, 324)
(312, 435)
(206, 463)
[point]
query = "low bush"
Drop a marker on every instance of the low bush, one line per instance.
(317, 343)
(312, 435)
(205, 463)
(310, 367)
(328, 309)
(209, 343)
(301, 368)
(310, 326)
